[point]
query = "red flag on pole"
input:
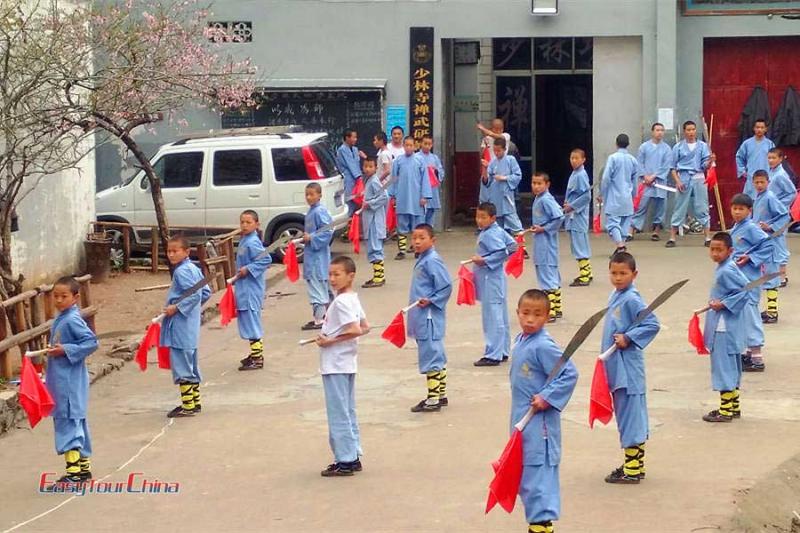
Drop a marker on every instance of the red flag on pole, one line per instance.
(227, 306)
(507, 474)
(33, 397)
(516, 263)
(696, 336)
(395, 332)
(597, 225)
(600, 405)
(163, 357)
(358, 192)
(638, 198)
(795, 209)
(487, 155)
(150, 340)
(391, 216)
(433, 176)
(466, 286)
(355, 232)
(711, 176)
(290, 262)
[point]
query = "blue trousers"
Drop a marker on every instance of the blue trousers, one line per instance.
(374, 247)
(430, 214)
(697, 193)
(659, 209)
(774, 283)
(430, 353)
(540, 493)
(319, 294)
(511, 223)
(72, 434)
(249, 322)
(406, 223)
(618, 227)
(579, 244)
(726, 368)
(340, 403)
(494, 316)
(754, 328)
(184, 366)
(631, 413)
(548, 277)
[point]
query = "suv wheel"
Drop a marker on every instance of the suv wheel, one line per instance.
(290, 230)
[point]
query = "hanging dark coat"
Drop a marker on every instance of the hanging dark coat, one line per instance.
(786, 126)
(756, 107)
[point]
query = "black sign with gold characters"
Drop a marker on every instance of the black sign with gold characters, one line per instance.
(421, 83)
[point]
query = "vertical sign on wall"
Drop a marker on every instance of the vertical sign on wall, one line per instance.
(421, 83)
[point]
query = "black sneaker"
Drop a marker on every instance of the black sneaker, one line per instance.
(784, 282)
(628, 238)
(578, 283)
(747, 359)
(198, 408)
(67, 482)
(655, 237)
(505, 359)
(716, 416)
(670, 244)
(400, 256)
(180, 412)
(559, 314)
(310, 325)
(767, 318)
(245, 360)
(485, 361)
(551, 320)
(356, 465)
(255, 363)
(737, 414)
(751, 366)
(618, 476)
(425, 407)
(443, 402)
(338, 470)
(372, 284)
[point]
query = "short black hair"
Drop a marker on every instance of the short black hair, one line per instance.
(345, 262)
(580, 151)
(398, 128)
(426, 228)
(742, 199)
(622, 140)
(489, 208)
(535, 295)
(723, 237)
(180, 239)
(777, 151)
(69, 282)
(501, 142)
(542, 174)
(314, 186)
(653, 127)
(756, 121)
(381, 136)
(408, 138)
(427, 136)
(370, 159)
(689, 123)
(250, 212)
(760, 173)
(347, 133)
(623, 258)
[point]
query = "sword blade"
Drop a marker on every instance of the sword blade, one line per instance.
(660, 299)
(193, 289)
(572, 346)
(760, 281)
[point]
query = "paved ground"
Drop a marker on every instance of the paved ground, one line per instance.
(251, 461)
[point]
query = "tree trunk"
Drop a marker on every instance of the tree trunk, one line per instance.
(9, 286)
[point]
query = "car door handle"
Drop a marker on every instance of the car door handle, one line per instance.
(191, 200)
(254, 196)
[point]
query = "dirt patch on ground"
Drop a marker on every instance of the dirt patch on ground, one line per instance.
(124, 311)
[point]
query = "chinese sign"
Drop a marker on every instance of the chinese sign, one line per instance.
(235, 31)
(421, 83)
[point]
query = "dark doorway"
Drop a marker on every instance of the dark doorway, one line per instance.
(563, 122)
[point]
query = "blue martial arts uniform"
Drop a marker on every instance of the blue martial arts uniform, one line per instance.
(619, 175)
(746, 235)
(690, 166)
(723, 332)
(781, 186)
(430, 280)
(767, 208)
(317, 259)
(374, 217)
(68, 381)
(625, 368)
(491, 288)
(410, 186)
(250, 289)
(501, 193)
(181, 331)
(435, 204)
(534, 357)
(655, 158)
(579, 198)
(546, 213)
(349, 163)
(752, 156)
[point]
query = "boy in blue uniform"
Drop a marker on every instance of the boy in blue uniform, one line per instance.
(625, 367)
(752, 155)
(502, 178)
(535, 356)
(723, 333)
(374, 222)
(770, 215)
(752, 251)
(655, 162)
(180, 331)
(782, 187)
(432, 161)
(316, 255)
(546, 217)
(491, 287)
(577, 200)
(250, 288)
(690, 159)
(412, 192)
(431, 285)
(68, 381)
(616, 190)
(348, 159)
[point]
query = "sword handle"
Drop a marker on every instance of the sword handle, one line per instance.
(608, 353)
(159, 318)
(520, 426)
(410, 307)
(703, 310)
(36, 353)
(466, 262)
(232, 280)
(305, 342)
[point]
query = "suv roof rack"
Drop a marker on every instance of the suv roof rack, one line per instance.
(281, 131)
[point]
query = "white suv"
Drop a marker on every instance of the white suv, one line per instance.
(208, 181)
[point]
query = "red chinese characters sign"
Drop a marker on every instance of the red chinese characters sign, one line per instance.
(421, 83)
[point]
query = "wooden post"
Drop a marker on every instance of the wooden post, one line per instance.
(37, 317)
(5, 360)
(126, 249)
(154, 249)
(86, 300)
(19, 318)
(229, 252)
(49, 305)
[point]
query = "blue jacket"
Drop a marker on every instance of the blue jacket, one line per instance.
(689, 162)
(767, 208)
(655, 158)
(250, 289)
(182, 330)
(430, 280)
(579, 197)
(745, 236)
(752, 156)
(411, 184)
(349, 163)
(625, 368)
(546, 213)
(533, 358)
(67, 377)
(432, 160)
(501, 193)
(728, 284)
(374, 214)
(781, 186)
(619, 176)
(317, 253)
(494, 245)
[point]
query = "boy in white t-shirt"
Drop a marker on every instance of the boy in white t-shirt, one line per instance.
(344, 322)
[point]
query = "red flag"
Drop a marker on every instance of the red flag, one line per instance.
(150, 340)
(486, 155)
(358, 192)
(391, 216)
(795, 209)
(433, 177)
(355, 232)
(395, 332)
(597, 225)
(711, 176)
(507, 474)
(516, 263)
(33, 397)
(163, 357)
(600, 405)
(227, 306)
(638, 198)
(696, 336)
(290, 262)
(466, 286)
